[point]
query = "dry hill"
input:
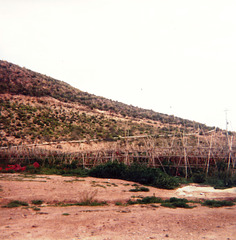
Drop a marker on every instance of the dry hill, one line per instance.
(35, 108)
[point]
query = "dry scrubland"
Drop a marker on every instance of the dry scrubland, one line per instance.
(57, 216)
(62, 120)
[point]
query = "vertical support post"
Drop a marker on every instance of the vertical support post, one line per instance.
(185, 158)
(230, 151)
(208, 159)
(83, 160)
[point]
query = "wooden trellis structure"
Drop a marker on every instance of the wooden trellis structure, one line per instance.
(183, 152)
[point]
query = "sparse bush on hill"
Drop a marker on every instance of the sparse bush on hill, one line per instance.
(16, 80)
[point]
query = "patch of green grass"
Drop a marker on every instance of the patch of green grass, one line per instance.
(37, 202)
(146, 200)
(85, 203)
(113, 184)
(139, 189)
(16, 203)
(36, 209)
(99, 185)
(94, 203)
(139, 196)
(167, 204)
(74, 180)
(176, 203)
(215, 203)
(65, 214)
(171, 203)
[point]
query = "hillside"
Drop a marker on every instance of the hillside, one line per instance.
(35, 108)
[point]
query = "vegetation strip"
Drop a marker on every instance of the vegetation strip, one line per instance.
(171, 203)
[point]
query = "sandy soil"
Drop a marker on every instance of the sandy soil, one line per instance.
(109, 221)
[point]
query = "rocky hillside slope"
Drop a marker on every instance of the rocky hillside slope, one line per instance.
(35, 108)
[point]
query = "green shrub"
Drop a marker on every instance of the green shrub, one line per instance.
(174, 199)
(199, 177)
(139, 189)
(65, 214)
(136, 172)
(32, 170)
(167, 204)
(109, 170)
(166, 181)
(93, 203)
(222, 180)
(37, 202)
(176, 203)
(75, 172)
(16, 203)
(36, 209)
(142, 174)
(215, 203)
(152, 199)
(146, 200)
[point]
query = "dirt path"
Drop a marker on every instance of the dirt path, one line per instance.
(109, 221)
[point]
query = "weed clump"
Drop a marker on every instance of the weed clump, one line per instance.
(176, 203)
(146, 200)
(139, 189)
(65, 214)
(215, 203)
(171, 203)
(16, 203)
(37, 202)
(36, 209)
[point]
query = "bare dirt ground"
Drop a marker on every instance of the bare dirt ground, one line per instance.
(110, 221)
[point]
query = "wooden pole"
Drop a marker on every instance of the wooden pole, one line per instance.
(230, 151)
(185, 158)
(209, 156)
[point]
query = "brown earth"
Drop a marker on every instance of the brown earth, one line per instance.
(109, 221)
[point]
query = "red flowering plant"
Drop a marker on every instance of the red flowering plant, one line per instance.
(34, 168)
(13, 168)
(36, 165)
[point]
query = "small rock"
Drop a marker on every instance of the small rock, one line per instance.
(166, 235)
(125, 211)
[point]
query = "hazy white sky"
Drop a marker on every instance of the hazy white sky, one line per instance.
(173, 56)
